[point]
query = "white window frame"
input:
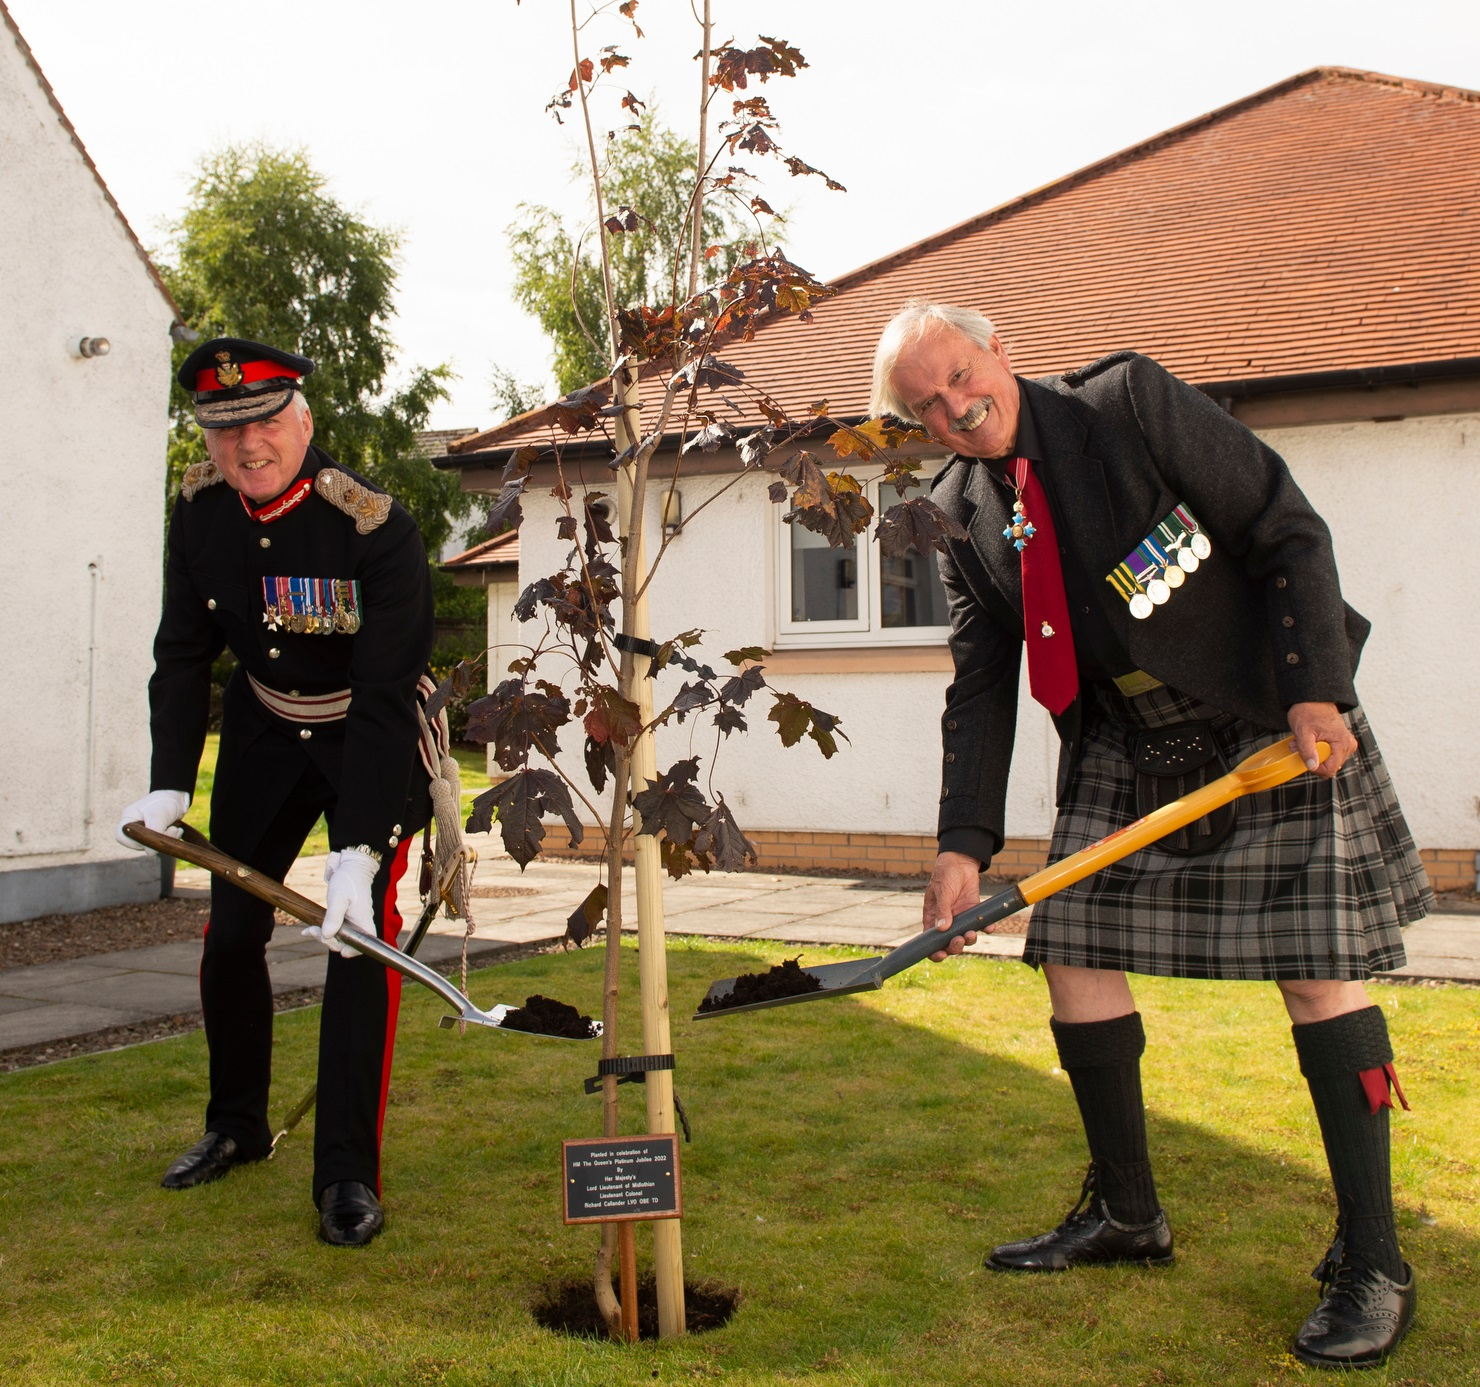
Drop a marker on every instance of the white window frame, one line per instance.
(861, 631)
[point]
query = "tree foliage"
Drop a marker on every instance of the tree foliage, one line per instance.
(264, 251)
(647, 189)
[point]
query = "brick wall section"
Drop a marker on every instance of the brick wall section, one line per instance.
(909, 854)
(1450, 869)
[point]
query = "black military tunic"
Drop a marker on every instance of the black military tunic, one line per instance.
(322, 590)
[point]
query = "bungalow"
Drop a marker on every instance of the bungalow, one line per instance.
(1310, 258)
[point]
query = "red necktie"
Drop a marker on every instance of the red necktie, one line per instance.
(1053, 675)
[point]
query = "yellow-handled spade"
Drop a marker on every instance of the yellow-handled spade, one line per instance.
(1269, 766)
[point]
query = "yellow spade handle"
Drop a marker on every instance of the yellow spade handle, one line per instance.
(1270, 766)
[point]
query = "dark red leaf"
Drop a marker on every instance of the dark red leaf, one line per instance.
(585, 918)
(520, 802)
(738, 688)
(720, 838)
(513, 717)
(507, 511)
(612, 718)
(917, 524)
(672, 805)
(601, 761)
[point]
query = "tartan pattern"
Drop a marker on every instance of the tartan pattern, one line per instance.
(1316, 881)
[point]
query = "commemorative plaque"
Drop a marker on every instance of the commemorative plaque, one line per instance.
(621, 1179)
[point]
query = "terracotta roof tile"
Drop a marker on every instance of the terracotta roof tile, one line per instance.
(501, 549)
(1327, 223)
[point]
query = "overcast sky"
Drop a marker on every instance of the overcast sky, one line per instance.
(430, 116)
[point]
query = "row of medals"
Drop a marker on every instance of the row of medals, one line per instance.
(1158, 590)
(344, 621)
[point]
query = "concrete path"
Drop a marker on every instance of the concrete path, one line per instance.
(59, 1001)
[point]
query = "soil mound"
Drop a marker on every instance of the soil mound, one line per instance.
(570, 1308)
(546, 1016)
(784, 980)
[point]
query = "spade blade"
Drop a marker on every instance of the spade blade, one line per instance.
(837, 979)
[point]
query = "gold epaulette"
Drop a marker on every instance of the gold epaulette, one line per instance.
(368, 509)
(198, 476)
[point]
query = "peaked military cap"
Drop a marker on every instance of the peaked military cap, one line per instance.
(233, 381)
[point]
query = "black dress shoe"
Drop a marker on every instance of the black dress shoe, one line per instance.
(1088, 1236)
(1362, 1317)
(209, 1159)
(349, 1214)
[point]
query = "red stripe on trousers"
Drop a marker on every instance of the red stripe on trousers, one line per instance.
(390, 930)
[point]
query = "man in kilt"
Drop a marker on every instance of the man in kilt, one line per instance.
(317, 582)
(1179, 605)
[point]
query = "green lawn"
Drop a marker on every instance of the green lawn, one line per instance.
(472, 763)
(852, 1161)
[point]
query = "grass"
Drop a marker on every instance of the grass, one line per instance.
(472, 763)
(852, 1161)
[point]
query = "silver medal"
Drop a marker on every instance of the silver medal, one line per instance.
(1158, 591)
(1141, 606)
(1187, 560)
(1200, 545)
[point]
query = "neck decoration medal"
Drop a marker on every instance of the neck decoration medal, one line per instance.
(1161, 563)
(1021, 530)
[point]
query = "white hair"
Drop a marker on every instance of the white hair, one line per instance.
(906, 328)
(300, 403)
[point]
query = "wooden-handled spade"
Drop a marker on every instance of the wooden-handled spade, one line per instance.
(198, 850)
(1270, 766)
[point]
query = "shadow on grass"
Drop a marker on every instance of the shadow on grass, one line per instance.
(852, 1162)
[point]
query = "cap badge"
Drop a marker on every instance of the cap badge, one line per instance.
(228, 373)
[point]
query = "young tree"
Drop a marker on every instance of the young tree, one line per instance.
(263, 251)
(588, 669)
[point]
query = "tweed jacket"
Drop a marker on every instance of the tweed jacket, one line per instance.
(1260, 626)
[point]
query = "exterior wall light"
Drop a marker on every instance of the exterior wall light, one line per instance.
(672, 512)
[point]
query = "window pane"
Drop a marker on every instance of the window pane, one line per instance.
(911, 591)
(824, 581)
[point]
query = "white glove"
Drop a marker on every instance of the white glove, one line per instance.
(349, 875)
(158, 810)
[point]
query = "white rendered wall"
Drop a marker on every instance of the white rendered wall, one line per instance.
(1399, 498)
(82, 460)
(503, 637)
(1402, 499)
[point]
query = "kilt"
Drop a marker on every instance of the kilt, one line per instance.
(1316, 880)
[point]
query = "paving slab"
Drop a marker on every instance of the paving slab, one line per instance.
(1442, 946)
(159, 994)
(14, 1004)
(42, 978)
(61, 1022)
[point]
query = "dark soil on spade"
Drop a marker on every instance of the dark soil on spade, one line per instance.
(570, 1308)
(545, 1016)
(784, 980)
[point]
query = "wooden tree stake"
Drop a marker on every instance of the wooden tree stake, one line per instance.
(652, 960)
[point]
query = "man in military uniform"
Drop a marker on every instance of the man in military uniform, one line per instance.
(1179, 605)
(317, 582)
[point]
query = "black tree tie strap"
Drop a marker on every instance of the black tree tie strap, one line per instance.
(634, 1069)
(634, 645)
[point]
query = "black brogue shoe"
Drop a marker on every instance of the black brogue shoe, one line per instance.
(349, 1214)
(1088, 1236)
(209, 1159)
(1362, 1317)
